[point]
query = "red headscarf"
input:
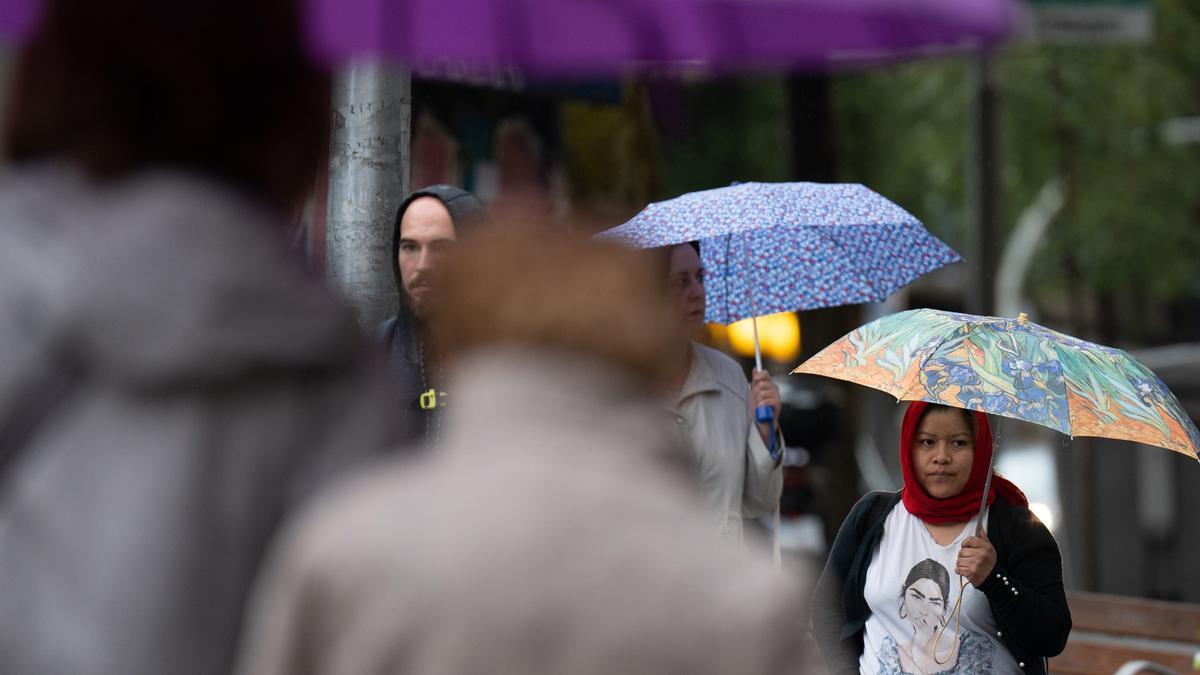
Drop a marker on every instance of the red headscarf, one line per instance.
(965, 505)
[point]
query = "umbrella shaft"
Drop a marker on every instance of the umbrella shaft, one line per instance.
(757, 349)
(987, 483)
(987, 486)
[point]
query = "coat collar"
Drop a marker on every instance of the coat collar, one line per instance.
(702, 378)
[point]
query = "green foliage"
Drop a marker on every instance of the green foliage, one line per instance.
(903, 132)
(1089, 115)
(1093, 116)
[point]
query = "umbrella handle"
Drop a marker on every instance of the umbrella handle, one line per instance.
(765, 414)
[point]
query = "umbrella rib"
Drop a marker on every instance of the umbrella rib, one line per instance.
(728, 251)
(1067, 394)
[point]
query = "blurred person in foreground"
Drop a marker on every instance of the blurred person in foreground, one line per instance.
(171, 381)
(558, 530)
(426, 230)
(739, 475)
(912, 586)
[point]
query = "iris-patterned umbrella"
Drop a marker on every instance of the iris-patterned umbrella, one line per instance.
(783, 247)
(1014, 368)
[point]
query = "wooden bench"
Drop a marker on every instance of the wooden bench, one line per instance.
(1110, 631)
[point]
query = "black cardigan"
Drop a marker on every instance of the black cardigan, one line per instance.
(1025, 589)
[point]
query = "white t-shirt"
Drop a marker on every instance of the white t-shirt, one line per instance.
(912, 589)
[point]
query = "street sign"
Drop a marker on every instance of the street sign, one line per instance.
(1091, 21)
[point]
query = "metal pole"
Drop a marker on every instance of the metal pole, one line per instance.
(368, 177)
(1085, 480)
(984, 187)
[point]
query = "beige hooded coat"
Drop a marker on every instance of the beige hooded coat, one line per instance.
(558, 531)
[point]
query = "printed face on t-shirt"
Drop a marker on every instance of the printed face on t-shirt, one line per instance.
(924, 606)
(923, 619)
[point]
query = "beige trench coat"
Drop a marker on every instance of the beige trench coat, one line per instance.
(737, 475)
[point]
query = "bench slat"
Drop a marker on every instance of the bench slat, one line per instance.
(1135, 617)
(1084, 657)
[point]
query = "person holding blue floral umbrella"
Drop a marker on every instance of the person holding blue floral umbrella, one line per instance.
(738, 460)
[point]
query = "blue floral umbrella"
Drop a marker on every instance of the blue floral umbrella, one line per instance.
(784, 247)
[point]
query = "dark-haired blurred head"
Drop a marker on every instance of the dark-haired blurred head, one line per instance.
(221, 87)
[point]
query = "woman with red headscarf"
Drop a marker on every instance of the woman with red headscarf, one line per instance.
(915, 583)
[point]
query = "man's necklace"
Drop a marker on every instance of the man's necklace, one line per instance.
(433, 420)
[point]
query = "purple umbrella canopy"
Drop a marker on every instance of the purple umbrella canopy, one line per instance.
(598, 37)
(562, 37)
(782, 247)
